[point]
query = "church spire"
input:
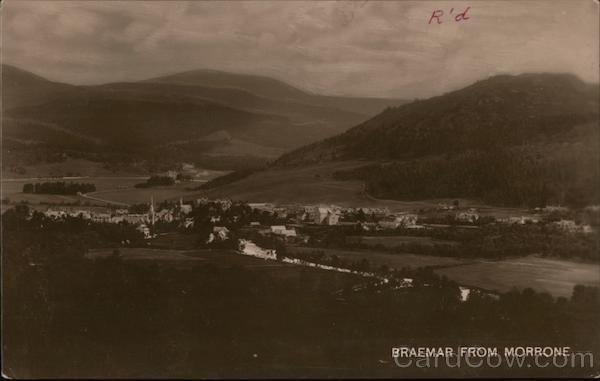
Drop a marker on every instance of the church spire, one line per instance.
(152, 209)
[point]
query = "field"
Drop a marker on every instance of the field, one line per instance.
(118, 189)
(393, 241)
(556, 277)
(142, 195)
(379, 258)
(68, 167)
(315, 185)
(311, 278)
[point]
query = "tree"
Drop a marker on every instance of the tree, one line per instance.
(280, 250)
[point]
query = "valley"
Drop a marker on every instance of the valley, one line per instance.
(299, 189)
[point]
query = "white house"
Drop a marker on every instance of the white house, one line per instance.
(325, 216)
(247, 247)
(184, 208)
(404, 220)
(221, 232)
(572, 227)
(283, 231)
(55, 214)
(470, 216)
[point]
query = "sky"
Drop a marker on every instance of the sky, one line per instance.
(358, 48)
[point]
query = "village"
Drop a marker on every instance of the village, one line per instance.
(295, 224)
(294, 234)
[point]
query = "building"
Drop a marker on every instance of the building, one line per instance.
(378, 213)
(572, 227)
(325, 216)
(555, 208)
(592, 208)
(184, 208)
(102, 217)
(247, 247)
(369, 226)
(54, 214)
(145, 230)
(135, 218)
(470, 216)
(202, 201)
(224, 203)
(117, 219)
(164, 215)
(401, 220)
(172, 174)
(283, 231)
(280, 212)
(221, 232)
(85, 214)
(522, 220)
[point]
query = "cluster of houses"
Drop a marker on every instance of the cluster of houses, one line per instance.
(373, 219)
(141, 220)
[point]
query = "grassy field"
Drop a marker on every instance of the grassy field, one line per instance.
(111, 188)
(315, 185)
(379, 258)
(142, 195)
(69, 167)
(12, 188)
(311, 278)
(556, 277)
(393, 241)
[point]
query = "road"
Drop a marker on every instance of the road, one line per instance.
(90, 197)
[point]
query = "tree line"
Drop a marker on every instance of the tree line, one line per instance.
(497, 177)
(154, 181)
(59, 187)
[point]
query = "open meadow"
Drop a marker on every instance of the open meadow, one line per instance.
(557, 277)
(377, 259)
(109, 189)
(314, 184)
(395, 240)
(311, 278)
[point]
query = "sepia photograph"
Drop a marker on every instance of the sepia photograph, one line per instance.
(272, 189)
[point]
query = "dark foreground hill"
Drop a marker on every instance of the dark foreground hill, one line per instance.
(520, 140)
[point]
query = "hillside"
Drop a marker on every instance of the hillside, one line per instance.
(22, 88)
(498, 112)
(172, 118)
(274, 89)
(522, 140)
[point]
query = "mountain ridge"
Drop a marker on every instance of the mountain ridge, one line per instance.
(41, 113)
(513, 109)
(525, 140)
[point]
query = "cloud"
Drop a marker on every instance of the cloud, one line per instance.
(353, 48)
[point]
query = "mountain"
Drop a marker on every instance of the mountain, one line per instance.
(518, 140)
(274, 89)
(22, 88)
(500, 111)
(259, 85)
(174, 117)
